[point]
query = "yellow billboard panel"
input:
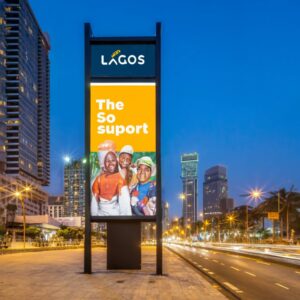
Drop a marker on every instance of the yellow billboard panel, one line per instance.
(124, 113)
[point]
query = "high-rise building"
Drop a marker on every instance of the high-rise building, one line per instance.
(56, 206)
(74, 189)
(166, 219)
(26, 92)
(24, 108)
(226, 205)
(2, 89)
(35, 200)
(189, 177)
(215, 187)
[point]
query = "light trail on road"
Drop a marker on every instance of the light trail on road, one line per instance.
(248, 278)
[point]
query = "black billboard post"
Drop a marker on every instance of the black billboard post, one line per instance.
(122, 144)
(87, 72)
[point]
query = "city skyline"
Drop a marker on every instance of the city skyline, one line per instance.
(229, 87)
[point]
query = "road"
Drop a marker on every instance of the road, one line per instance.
(287, 252)
(248, 278)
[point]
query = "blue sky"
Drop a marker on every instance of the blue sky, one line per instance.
(230, 85)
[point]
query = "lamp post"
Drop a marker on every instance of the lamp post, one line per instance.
(254, 195)
(231, 219)
(19, 196)
(206, 223)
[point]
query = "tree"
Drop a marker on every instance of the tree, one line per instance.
(287, 202)
(70, 233)
(33, 232)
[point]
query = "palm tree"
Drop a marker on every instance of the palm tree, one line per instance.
(286, 203)
(289, 201)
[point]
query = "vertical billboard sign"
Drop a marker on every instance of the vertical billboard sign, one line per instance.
(123, 160)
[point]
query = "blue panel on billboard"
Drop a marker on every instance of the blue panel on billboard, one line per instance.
(123, 60)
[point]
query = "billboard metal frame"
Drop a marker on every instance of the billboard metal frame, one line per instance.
(89, 40)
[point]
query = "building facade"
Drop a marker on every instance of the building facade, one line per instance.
(189, 177)
(35, 200)
(166, 218)
(2, 89)
(215, 188)
(74, 189)
(24, 109)
(226, 205)
(56, 206)
(26, 92)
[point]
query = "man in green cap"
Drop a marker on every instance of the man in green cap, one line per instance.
(143, 195)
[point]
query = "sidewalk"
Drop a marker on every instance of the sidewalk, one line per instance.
(57, 275)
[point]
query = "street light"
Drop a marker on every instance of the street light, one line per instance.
(230, 219)
(206, 223)
(67, 159)
(182, 196)
(255, 195)
(19, 196)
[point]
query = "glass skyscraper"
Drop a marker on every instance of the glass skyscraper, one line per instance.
(74, 189)
(189, 177)
(215, 188)
(24, 108)
(25, 91)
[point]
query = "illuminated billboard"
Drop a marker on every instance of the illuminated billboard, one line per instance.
(123, 148)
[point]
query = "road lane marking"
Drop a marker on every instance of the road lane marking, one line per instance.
(282, 286)
(205, 269)
(263, 263)
(298, 272)
(222, 264)
(251, 274)
(206, 258)
(232, 287)
(234, 268)
(211, 273)
(214, 260)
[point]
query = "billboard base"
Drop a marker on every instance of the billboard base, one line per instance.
(124, 245)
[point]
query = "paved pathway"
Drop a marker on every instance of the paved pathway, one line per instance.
(57, 275)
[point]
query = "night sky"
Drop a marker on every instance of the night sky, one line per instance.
(230, 85)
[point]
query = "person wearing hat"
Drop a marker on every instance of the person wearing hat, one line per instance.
(109, 188)
(125, 166)
(143, 195)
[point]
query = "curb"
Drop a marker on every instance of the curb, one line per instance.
(14, 251)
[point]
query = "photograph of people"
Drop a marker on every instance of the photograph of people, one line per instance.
(125, 166)
(143, 195)
(109, 189)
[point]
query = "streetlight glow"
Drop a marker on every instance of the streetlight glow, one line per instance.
(182, 196)
(67, 158)
(256, 194)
